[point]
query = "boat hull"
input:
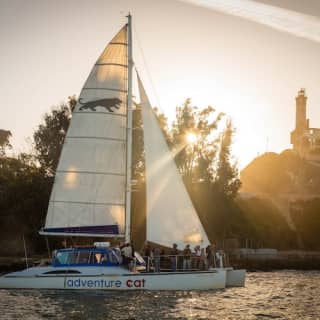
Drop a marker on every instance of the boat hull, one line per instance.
(132, 281)
(234, 277)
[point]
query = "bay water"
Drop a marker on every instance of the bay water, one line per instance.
(267, 295)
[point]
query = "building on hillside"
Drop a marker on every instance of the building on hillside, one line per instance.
(305, 140)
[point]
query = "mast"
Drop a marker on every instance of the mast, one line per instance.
(129, 134)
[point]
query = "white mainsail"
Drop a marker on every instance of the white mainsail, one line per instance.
(171, 217)
(89, 192)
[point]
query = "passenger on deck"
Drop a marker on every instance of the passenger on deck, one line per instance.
(211, 256)
(197, 252)
(132, 248)
(147, 254)
(187, 258)
(103, 259)
(203, 265)
(146, 250)
(64, 243)
(117, 253)
(219, 257)
(126, 253)
(156, 255)
(174, 259)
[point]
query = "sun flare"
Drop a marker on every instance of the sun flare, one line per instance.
(191, 138)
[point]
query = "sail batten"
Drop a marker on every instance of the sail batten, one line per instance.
(92, 172)
(90, 182)
(83, 202)
(98, 138)
(108, 89)
(112, 64)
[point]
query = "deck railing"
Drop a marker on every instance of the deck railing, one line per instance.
(180, 263)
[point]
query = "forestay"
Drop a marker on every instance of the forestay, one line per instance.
(88, 197)
(171, 217)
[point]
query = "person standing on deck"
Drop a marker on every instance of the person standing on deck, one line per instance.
(126, 253)
(156, 255)
(174, 253)
(209, 256)
(147, 252)
(197, 252)
(187, 258)
(220, 258)
(117, 252)
(132, 248)
(203, 265)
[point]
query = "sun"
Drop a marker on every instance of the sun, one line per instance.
(191, 138)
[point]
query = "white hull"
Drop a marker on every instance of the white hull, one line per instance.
(205, 280)
(234, 278)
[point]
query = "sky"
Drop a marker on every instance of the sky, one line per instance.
(242, 57)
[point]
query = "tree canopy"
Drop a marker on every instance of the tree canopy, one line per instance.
(226, 175)
(202, 152)
(201, 142)
(195, 156)
(5, 136)
(24, 197)
(49, 137)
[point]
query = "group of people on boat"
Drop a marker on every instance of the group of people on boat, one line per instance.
(185, 260)
(156, 257)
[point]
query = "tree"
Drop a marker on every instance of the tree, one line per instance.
(306, 217)
(5, 136)
(24, 197)
(50, 135)
(226, 176)
(195, 159)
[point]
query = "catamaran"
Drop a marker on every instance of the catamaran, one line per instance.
(91, 196)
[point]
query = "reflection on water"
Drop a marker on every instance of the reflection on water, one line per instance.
(273, 295)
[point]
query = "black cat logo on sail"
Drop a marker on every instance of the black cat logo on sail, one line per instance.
(107, 103)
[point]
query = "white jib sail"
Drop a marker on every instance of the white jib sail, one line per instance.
(88, 196)
(171, 217)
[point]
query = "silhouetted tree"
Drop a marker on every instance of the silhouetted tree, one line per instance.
(195, 160)
(50, 135)
(306, 217)
(5, 136)
(24, 197)
(163, 123)
(226, 177)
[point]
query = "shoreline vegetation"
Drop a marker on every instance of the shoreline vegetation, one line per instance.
(275, 205)
(284, 260)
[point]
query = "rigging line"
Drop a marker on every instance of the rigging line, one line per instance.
(147, 69)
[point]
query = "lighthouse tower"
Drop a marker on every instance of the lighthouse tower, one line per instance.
(299, 135)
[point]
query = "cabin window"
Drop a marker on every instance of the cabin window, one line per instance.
(112, 257)
(98, 256)
(84, 257)
(61, 258)
(92, 258)
(104, 258)
(101, 257)
(72, 257)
